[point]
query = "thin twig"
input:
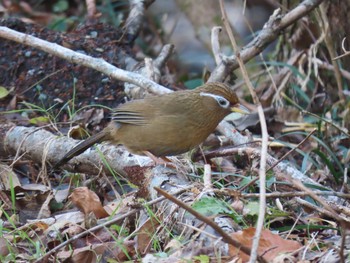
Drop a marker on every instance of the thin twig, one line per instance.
(225, 237)
(342, 130)
(293, 194)
(262, 173)
(272, 29)
(329, 41)
(280, 160)
(320, 209)
(299, 185)
(228, 151)
(346, 52)
(327, 209)
(207, 177)
(342, 245)
(105, 224)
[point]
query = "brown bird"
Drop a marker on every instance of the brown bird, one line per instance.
(165, 125)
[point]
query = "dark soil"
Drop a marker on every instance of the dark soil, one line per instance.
(45, 80)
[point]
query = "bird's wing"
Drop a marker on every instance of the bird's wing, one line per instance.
(146, 111)
(129, 117)
(134, 112)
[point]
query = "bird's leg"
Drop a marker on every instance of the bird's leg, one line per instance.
(166, 162)
(158, 160)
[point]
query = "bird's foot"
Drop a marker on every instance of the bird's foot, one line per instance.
(163, 161)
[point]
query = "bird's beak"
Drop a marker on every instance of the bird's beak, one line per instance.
(240, 109)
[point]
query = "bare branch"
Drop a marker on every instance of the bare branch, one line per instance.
(134, 21)
(82, 59)
(215, 44)
(272, 29)
(262, 172)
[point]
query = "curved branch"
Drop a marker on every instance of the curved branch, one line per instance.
(271, 30)
(75, 57)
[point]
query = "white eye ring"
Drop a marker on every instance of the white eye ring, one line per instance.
(224, 103)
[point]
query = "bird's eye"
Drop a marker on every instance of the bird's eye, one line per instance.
(222, 102)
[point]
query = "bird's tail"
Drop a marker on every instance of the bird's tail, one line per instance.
(81, 147)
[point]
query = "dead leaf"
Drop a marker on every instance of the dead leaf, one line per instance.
(45, 208)
(145, 235)
(119, 206)
(305, 34)
(87, 201)
(31, 200)
(5, 247)
(108, 250)
(8, 179)
(91, 117)
(270, 245)
(173, 245)
(85, 254)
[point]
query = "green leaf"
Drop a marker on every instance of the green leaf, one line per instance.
(60, 6)
(193, 83)
(210, 206)
(273, 212)
(305, 227)
(3, 92)
(301, 93)
(202, 258)
(41, 119)
(253, 208)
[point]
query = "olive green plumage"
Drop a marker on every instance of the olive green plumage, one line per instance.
(165, 125)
